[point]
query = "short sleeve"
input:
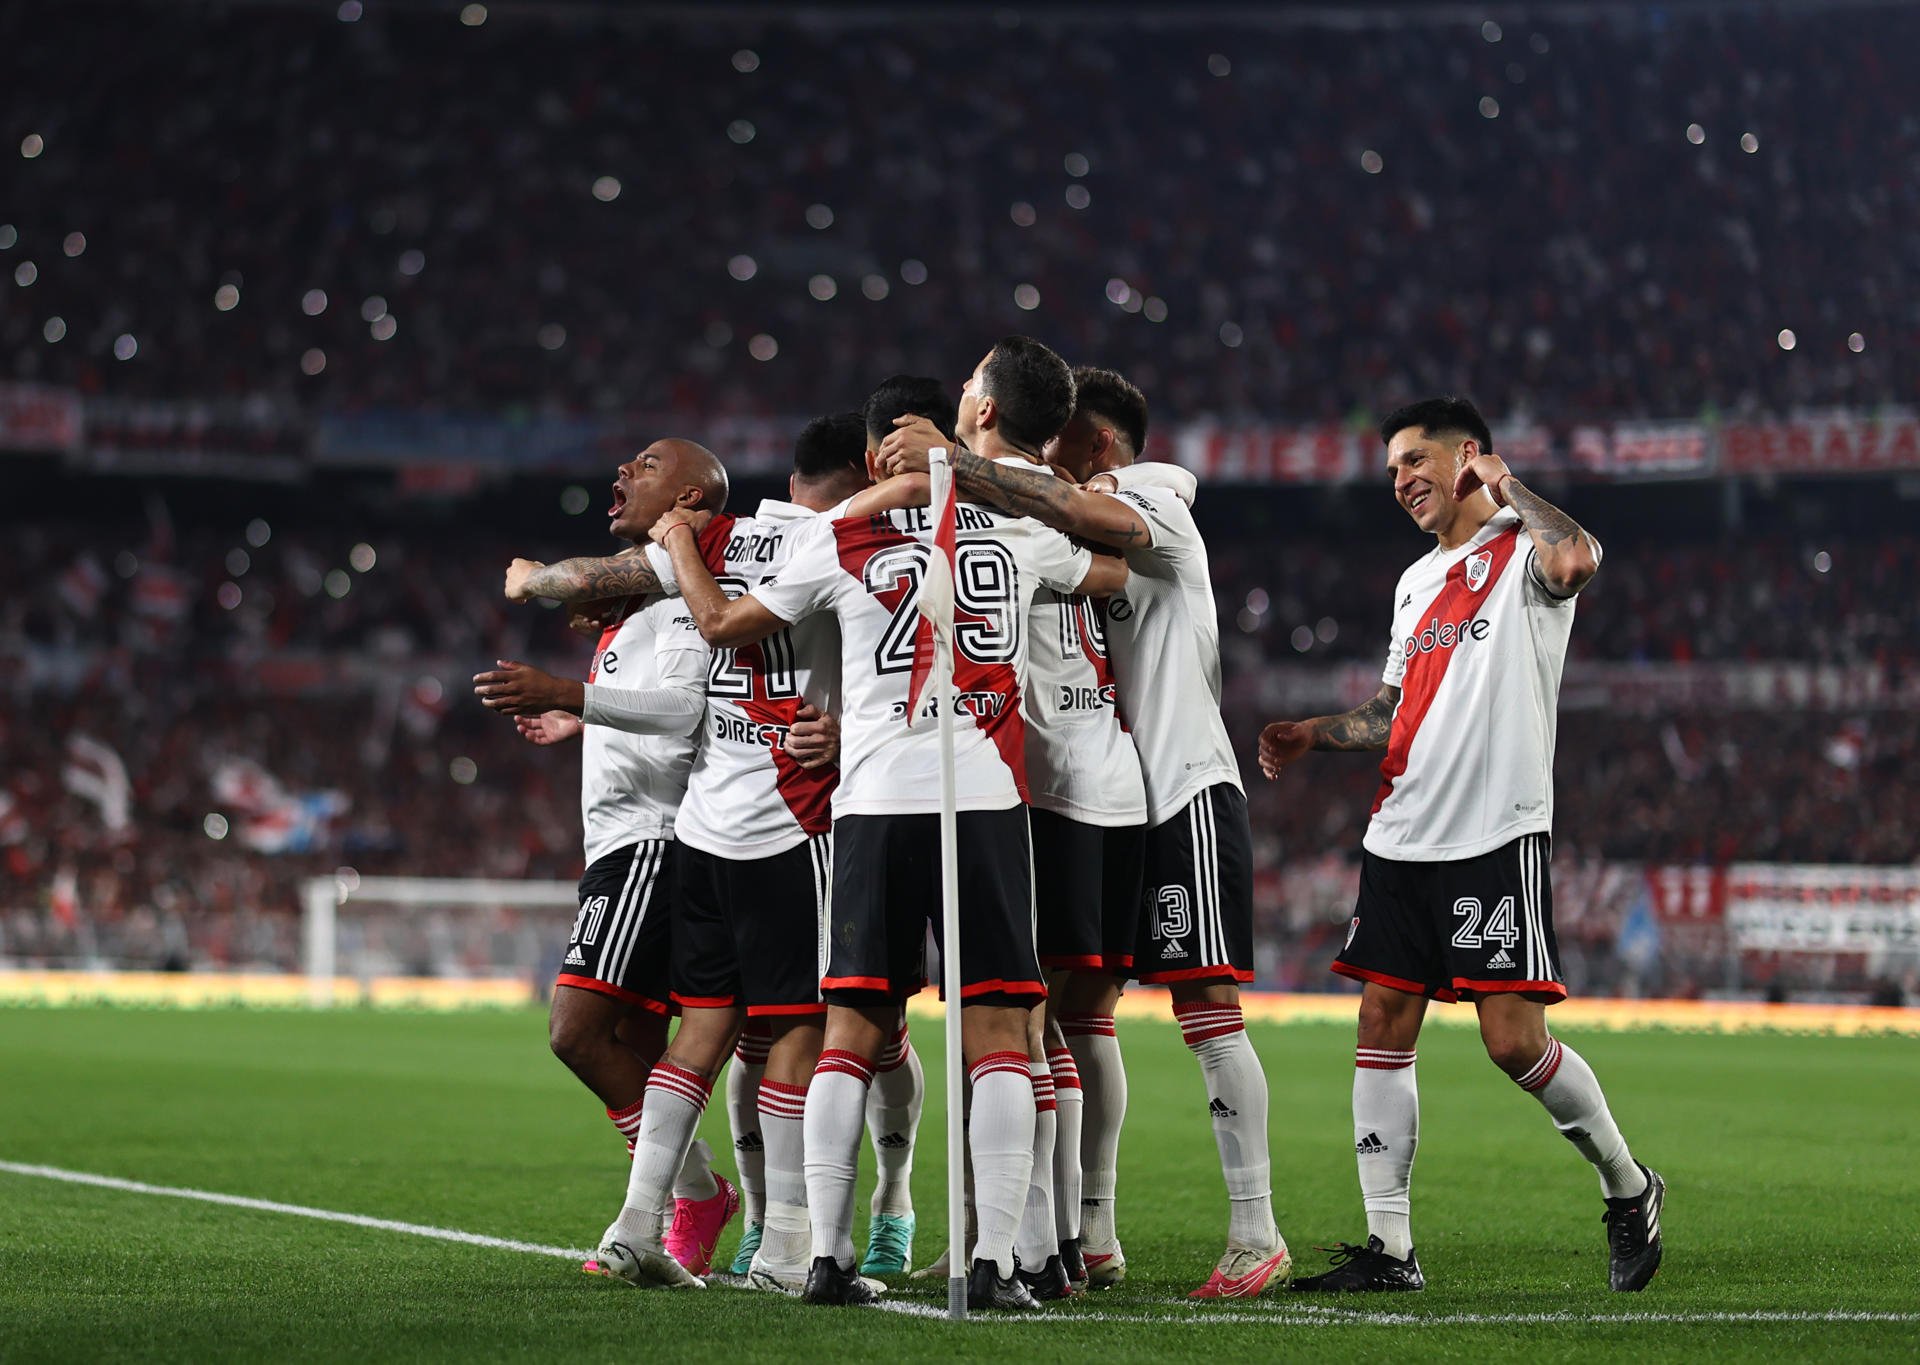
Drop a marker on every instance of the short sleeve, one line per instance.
(662, 565)
(1056, 561)
(806, 580)
(1537, 591)
(1174, 533)
(1396, 668)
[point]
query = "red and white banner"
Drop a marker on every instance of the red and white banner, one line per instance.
(39, 417)
(1837, 444)
(1806, 908)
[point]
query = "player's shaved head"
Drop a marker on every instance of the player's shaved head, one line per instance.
(691, 464)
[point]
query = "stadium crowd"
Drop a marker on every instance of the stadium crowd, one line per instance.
(1607, 214)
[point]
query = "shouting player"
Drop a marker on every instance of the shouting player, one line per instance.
(1455, 898)
(608, 1019)
(867, 571)
(1197, 932)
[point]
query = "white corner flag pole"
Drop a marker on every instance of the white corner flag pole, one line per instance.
(940, 471)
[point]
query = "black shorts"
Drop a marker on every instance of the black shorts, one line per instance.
(622, 940)
(1458, 930)
(1197, 901)
(1086, 892)
(886, 891)
(747, 931)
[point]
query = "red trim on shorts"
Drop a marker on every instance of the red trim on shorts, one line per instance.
(704, 1002)
(1004, 987)
(1090, 961)
(763, 1011)
(588, 983)
(1548, 988)
(1221, 972)
(855, 983)
(1444, 994)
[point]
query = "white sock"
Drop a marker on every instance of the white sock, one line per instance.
(1037, 1237)
(1386, 1129)
(743, 1118)
(1103, 1075)
(1001, 1137)
(628, 1120)
(675, 1099)
(1567, 1088)
(1068, 1094)
(835, 1103)
(893, 1119)
(783, 1109)
(1237, 1102)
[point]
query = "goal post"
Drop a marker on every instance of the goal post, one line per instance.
(483, 927)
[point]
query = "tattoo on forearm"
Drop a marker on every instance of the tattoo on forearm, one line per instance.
(1539, 516)
(589, 579)
(1036, 493)
(1365, 727)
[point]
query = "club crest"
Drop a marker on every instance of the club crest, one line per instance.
(1477, 569)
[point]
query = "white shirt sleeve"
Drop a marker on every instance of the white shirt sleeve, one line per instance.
(1182, 483)
(1056, 561)
(672, 708)
(807, 578)
(662, 565)
(1169, 522)
(1538, 590)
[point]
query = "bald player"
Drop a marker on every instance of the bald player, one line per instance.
(608, 1021)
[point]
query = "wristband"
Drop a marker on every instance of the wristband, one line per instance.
(1499, 497)
(681, 526)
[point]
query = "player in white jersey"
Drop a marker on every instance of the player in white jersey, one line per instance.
(867, 571)
(1196, 933)
(1455, 899)
(611, 1001)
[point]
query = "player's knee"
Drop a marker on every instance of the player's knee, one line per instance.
(1391, 1023)
(573, 1041)
(1514, 1053)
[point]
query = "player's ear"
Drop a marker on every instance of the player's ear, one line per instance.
(689, 497)
(1103, 441)
(986, 413)
(873, 465)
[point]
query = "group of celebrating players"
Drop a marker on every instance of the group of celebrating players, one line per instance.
(762, 840)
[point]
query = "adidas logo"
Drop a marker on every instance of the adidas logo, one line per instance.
(1370, 1145)
(748, 1142)
(574, 958)
(1407, 601)
(1219, 1109)
(892, 1141)
(1500, 959)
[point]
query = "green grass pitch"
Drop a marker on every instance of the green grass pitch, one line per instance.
(1791, 1227)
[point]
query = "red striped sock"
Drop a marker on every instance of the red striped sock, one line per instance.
(1202, 1021)
(1382, 1059)
(628, 1120)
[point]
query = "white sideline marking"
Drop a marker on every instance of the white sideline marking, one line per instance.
(359, 1220)
(1298, 1315)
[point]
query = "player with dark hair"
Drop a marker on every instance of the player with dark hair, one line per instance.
(1456, 902)
(904, 395)
(867, 571)
(608, 1019)
(1196, 934)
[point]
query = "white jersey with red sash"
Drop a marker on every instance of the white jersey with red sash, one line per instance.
(1478, 646)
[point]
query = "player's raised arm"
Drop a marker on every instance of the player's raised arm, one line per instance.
(723, 622)
(1035, 492)
(1565, 556)
(1365, 727)
(584, 579)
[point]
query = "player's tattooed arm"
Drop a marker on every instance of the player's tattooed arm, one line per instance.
(1365, 727)
(585, 579)
(723, 622)
(1565, 557)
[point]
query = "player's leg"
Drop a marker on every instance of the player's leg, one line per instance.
(835, 1109)
(1198, 942)
(744, 1078)
(1036, 1242)
(893, 1124)
(662, 1177)
(1001, 983)
(1513, 973)
(1393, 949)
(1070, 1109)
(1086, 1002)
(785, 1250)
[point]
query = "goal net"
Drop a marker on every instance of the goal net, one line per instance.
(368, 938)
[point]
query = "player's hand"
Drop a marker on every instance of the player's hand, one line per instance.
(677, 516)
(813, 740)
(1283, 742)
(518, 573)
(592, 618)
(1101, 483)
(1482, 471)
(905, 449)
(518, 689)
(552, 727)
